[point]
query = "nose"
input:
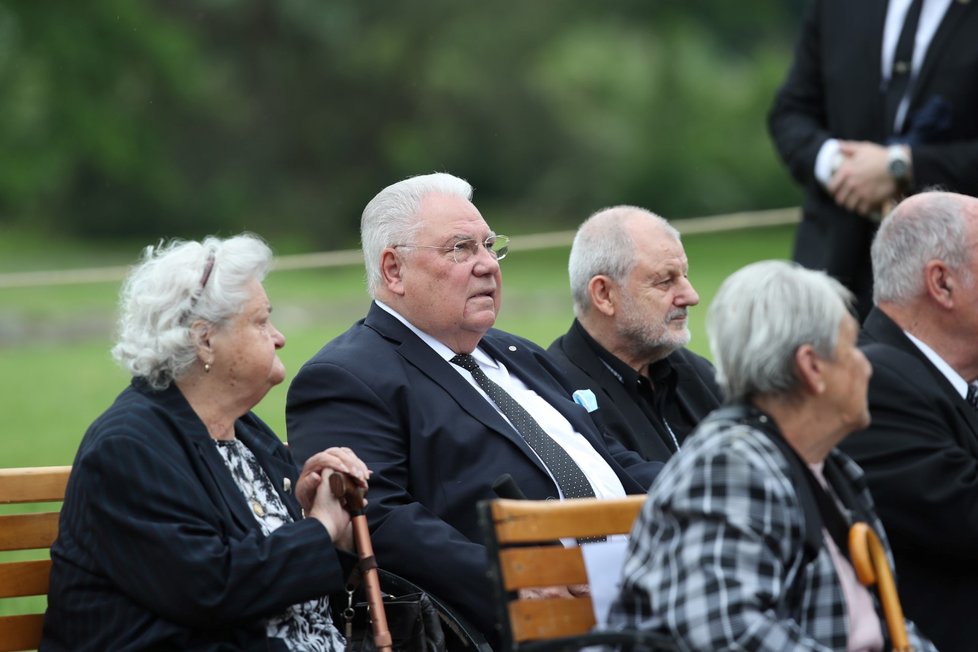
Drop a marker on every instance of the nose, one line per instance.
(485, 262)
(278, 338)
(687, 295)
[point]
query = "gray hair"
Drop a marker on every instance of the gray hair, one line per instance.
(603, 245)
(391, 217)
(165, 295)
(929, 226)
(759, 318)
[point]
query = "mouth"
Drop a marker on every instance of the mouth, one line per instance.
(680, 314)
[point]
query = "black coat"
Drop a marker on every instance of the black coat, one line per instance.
(921, 460)
(833, 91)
(695, 394)
(435, 447)
(158, 548)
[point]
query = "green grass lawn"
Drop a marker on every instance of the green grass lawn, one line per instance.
(56, 374)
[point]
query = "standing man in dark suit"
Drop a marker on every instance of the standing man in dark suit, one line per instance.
(921, 452)
(630, 281)
(881, 101)
(439, 404)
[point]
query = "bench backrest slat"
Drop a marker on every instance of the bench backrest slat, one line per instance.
(28, 529)
(523, 541)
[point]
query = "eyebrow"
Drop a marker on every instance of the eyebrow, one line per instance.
(460, 237)
(670, 267)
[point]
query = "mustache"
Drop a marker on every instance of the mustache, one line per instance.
(678, 313)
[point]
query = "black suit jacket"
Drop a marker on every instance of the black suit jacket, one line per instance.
(158, 548)
(833, 90)
(435, 447)
(921, 460)
(696, 393)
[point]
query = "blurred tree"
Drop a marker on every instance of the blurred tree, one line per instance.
(180, 117)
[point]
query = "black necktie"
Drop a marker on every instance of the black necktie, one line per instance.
(972, 396)
(902, 68)
(571, 480)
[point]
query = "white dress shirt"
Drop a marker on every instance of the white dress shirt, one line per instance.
(599, 473)
(953, 377)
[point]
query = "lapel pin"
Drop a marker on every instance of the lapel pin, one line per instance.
(512, 348)
(287, 485)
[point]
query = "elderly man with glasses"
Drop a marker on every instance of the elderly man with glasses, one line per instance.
(439, 404)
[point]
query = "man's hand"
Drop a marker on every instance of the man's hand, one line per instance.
(862, 181)
(573, 591)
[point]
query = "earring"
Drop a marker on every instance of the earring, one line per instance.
(207, 367)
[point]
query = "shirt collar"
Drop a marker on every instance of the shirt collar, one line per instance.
(481, 357)
(661, 372)
(959, 383)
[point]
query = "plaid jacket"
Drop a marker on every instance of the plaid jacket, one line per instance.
(716, 557)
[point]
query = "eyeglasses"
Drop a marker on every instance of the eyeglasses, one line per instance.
(464, 250)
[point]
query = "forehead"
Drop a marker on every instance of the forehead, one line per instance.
(655, 248)
(443, 216)
(257, 298)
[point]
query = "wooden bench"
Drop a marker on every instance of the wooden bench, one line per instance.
(27, 529)
(522, 537)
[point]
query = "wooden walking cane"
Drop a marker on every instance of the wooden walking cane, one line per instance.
(353, 495)
(871, 566)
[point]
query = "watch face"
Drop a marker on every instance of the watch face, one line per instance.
(898, 168)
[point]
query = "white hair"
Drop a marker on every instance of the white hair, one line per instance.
(391, 217)
(759, 318)
(166, 294)
(929, 227)
(603, 245)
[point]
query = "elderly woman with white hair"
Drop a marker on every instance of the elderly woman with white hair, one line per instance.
(742, 543)
(186, 524)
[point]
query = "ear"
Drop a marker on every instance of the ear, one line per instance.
(200, 335)
(939, 282)
(809, 368)
(392, 270)
(602, 291)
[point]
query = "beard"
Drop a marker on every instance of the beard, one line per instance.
(652, 339)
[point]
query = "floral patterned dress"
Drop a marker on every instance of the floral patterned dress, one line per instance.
(307, 626)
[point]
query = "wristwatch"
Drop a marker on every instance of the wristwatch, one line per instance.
(898, 164)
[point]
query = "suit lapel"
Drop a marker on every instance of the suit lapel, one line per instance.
(885, 331)
(651, 443)
(691, 392)
(523, 364)
(878, 10)
(421, 356)
(581, 354)
(229, 492)
(949, 26)
(208, 463)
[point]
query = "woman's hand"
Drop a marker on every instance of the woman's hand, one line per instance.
(328, 509)
(320, 465)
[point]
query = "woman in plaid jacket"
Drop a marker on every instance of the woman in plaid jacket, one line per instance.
(742, 542)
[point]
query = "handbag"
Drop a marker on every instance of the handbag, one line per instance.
(412, 619)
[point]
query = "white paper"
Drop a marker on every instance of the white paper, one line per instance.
(603, 562)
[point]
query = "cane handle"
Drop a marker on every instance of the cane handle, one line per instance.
(345, 489)
(872, 567)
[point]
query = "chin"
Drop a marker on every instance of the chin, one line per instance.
(860, 422)
(483, 320)
(679, 338)
(277, 376)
